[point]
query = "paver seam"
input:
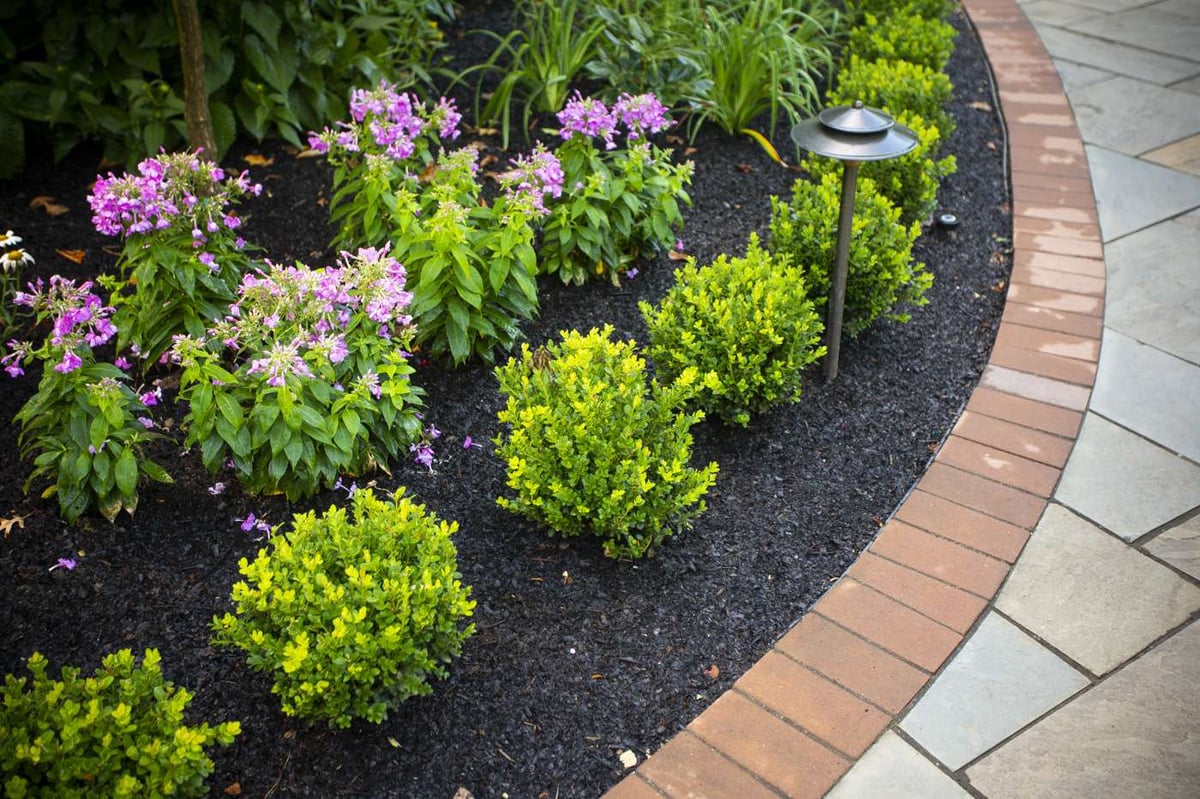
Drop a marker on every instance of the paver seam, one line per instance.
(1055, 187)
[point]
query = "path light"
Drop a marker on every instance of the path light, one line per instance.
(849, 133)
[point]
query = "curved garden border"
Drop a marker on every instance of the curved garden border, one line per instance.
(795, 722)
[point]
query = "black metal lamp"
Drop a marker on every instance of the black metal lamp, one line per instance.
(851, 134)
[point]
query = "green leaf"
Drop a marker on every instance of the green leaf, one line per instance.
(265, 21)
(126, 472)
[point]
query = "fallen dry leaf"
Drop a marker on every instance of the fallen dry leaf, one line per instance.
(979, 105)
(309, 152)
(992, 145)
(395, 744)
(428, 172)
(487, 160)
(254, 159)
(676, 255)
(234, 789)
(74, 256)
(712, 672)
(691, 150)
(745, 169)
(673, 139)
(568, 579)
(487, 131)
(463, 793)
(47, 204)
(628, 758)
(7, 524)
(999, 285)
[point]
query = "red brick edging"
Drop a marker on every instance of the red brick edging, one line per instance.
(797, 720)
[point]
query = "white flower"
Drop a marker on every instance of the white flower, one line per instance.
(14, 259)
(9, 239)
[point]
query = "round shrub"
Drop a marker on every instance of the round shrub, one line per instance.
(904, 35)
(881, 277)
(926, 9)
(748, 320)
(593, 450)
(351, 616)
(898, 87)
(910, 181)
(119, 732)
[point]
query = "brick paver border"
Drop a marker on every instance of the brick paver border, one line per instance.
(798, 719)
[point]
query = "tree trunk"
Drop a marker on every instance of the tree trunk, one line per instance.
(195, 95)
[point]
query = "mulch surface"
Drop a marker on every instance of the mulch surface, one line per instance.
(576, 657)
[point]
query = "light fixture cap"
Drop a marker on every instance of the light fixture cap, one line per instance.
(854, 133)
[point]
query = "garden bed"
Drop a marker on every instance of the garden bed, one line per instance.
(576, 657)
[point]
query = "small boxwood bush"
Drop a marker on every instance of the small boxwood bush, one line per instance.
(898, 87)
(903, 35)
(592, 450)
(119, 732)
(910, 181)
(352, 615)
(749, 320)
(882, 277)
(926, 9)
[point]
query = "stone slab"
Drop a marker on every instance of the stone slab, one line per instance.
(1119, 58)
(893, 769)
(1090, 596)
(1137, 734)
(1182, 156)
(1117, 114)
(1150, 28)
(1000, 681)
(1191, 85)
(1125, 483)
(1150, 392)
(1053, 12)
(1154, 286)
(1076, 76)
(1132, 194)
(1180, 546)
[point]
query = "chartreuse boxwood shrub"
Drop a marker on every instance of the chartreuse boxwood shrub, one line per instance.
(471, 262)
(910, 181)
(351, 614)
(181, 255)
(903, 34)
(926, 9)
(85, 428)
(748, 320)
(319, 380)
(592, 449)
(120, 732)
(619, 201)
(898, 87)
(882, 279)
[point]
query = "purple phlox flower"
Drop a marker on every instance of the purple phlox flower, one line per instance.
(433, 432)
(678, 245)
(209, 260)
(282, 359)
(65, 563)
(641, 115)
(468, 442)
(588, 117)
(216, 489)
(12, 361)
(317, 143)
(371, 381)
(252, 522)
(97, 450)
(533, 177)
(151, 398)
(424, 454)
(69, 363)
(121, 363)
(349, 489)
(631, 273)
(146, 422)
(446, 115)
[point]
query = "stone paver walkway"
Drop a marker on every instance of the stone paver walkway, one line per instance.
(1028, 622)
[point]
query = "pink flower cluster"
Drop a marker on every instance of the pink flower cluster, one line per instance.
(394, 120)
(641, 115)
(81, 319)
(169, 189)
(533, 177)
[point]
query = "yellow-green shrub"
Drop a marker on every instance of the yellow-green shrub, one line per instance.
(898, 87)
(910, 181)
(927, 9)
(117, 733)
(351, 616)
(591, 449)
(903, 35)
(882, 277)
(748, 320)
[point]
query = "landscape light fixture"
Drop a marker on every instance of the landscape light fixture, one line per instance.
(851, 134)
